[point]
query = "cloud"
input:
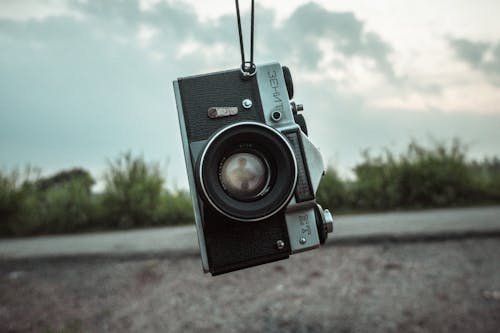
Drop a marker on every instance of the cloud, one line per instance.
(481, 56)
(145, 35)
(77, 91)
(311, 22)
(35, 9)
(298, 39)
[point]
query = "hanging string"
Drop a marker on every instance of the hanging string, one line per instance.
(247, 67)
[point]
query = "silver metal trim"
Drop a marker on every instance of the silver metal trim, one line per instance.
(247, 103)
(328, 220)
(276, 116)
(302, 230)
(293, 206)
(247, 74)
(274, 95)
(246, 123)
(221, 111)
(192, 185)
(314, 162)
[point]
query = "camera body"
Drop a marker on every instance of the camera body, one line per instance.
(253, 173)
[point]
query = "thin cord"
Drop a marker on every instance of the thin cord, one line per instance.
(251, 34)
(247, 67)
(239, 30)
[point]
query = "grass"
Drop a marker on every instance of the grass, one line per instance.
(135, 193)
(134, 196)
(421, 177)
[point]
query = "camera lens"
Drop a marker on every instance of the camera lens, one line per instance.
(247, 171)
(244, 176)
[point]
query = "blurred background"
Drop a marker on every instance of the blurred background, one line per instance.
(402, 98)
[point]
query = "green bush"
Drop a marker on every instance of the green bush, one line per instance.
(68, 207)
(9, 199)
(43, 206)
(421, 177)
(374, 184)
(133, 192)
(15, 187)
(332, 191)
(79, 175)
(486, 175)
(435, 177)
(134, 196)
(175, 208)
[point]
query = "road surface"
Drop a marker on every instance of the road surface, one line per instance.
(437, 286)
(441, 223)
(433, 271)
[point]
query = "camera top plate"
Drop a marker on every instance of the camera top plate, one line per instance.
(274, 97)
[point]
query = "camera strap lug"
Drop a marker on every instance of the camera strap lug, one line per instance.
(247, 68)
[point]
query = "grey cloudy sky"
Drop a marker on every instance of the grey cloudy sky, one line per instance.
(81, 81)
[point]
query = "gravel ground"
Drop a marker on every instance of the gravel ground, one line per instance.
(447, 286)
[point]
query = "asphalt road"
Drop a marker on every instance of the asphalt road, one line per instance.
(437, 223)
(431, 286)
(432, 271)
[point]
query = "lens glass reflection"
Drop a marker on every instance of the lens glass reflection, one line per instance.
(244, 175)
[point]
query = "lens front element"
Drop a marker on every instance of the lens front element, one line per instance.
(247, 171)
(244, 176)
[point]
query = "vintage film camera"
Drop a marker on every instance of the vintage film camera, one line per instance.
(253, 173)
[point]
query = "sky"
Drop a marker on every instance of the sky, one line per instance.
(83, 80)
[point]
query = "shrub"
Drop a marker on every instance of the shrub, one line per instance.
(435, 176)
(9, 199)
(486, 176)
(15, 188)
(374, 184)
(135, 196)
(67, 207)
(79, 175)
(438, 176)
(332, 190)
(421, 177)
(175, 208)
(133, 192)
(53, 207)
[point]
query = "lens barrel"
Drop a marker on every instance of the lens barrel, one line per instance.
(247, 171)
